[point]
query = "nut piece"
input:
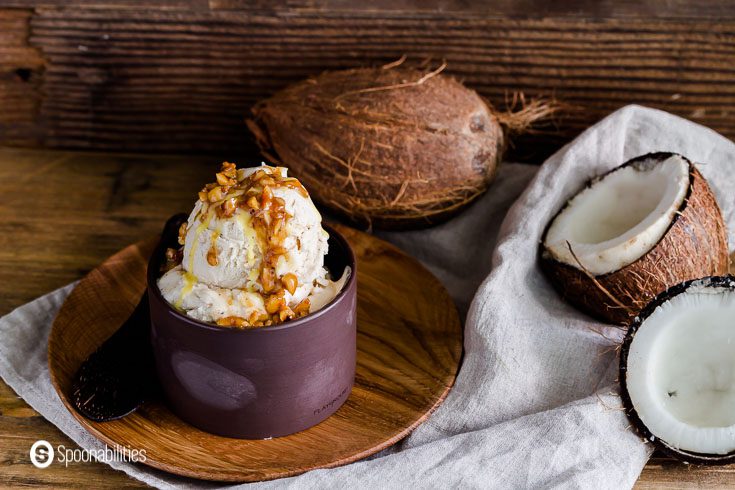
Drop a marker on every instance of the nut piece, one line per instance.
(172, 254)
(222, 179)
(290, 282)
(233, 321)
(274, 303)
(215, 194)
(182, 233)
(212, 256)
(253, 202)
(173, 258)
(229, 207)
(267, 196)
(229, 170)
(268, 279)
(285, 313)
(302, 309)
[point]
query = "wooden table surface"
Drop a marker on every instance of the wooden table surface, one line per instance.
(61, 214)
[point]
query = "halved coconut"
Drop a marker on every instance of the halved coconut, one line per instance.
(632, 233)
(677, 371)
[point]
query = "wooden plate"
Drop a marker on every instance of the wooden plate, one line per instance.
(409, 344)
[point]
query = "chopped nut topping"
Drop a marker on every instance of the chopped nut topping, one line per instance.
(268, 279)
(266, 198)
(254, 194)
(215, 194)
(296, 185)
(253, 202)
(274, 303)
(228, 207)
(173, 258)
(182, 233)
(229, 170)
(285, 314)
(224, 180)
(290, 282)
(302, 309)
(233, 321)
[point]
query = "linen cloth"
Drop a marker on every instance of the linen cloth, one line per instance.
(535, 402)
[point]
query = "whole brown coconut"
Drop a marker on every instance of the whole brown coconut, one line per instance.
(693, 246)
(389, 147)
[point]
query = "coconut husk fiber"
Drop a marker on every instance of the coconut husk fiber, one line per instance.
(390, 147)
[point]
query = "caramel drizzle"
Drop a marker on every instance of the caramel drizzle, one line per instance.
(254, 194)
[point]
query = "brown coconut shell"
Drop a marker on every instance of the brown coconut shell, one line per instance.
(388, 147)
(694, 246)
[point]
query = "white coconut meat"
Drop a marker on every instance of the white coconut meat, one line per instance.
(681, 371)
(620, 217)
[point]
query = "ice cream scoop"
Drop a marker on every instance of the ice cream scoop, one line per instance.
(253, 252)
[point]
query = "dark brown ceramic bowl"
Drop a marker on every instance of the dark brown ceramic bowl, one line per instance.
(263, 382)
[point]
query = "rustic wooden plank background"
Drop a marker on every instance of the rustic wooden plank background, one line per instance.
(179, 76)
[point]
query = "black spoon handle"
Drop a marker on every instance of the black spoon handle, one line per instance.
(116, 378)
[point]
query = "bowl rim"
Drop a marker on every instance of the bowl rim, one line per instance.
(152, 285)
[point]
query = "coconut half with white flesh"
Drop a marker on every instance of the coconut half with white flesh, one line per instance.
(677, 371)
(632, 233)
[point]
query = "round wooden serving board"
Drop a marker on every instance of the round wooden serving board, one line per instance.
(409, 345)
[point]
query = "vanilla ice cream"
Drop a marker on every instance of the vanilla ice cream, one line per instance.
(253, 252)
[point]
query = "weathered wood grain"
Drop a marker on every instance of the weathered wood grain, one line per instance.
(180, 76)
(200, 72)
(665, 9)
(62, 213)
(89, 206)
(20, 77)
(662, 472)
